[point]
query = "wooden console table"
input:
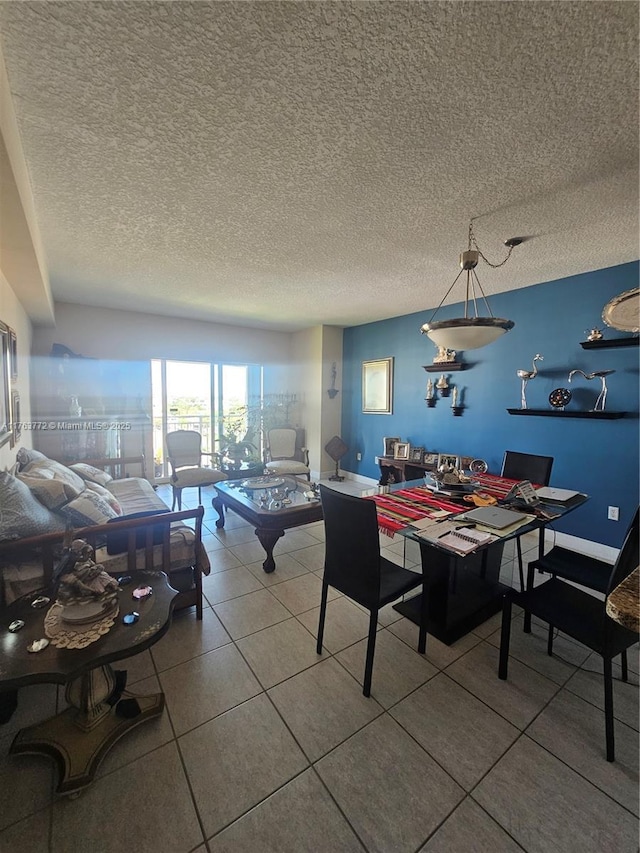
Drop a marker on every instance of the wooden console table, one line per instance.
(401, 470)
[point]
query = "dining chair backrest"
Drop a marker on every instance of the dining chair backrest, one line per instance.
(628, 557)
(527, 466)
(352, 546)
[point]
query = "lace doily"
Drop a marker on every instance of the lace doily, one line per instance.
(63, 636)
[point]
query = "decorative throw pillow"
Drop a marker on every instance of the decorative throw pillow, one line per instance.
(106, 495)
(88, 508)
(51, 491)
(49, 469)
(25, 457)
(91, 474)
(21, 515)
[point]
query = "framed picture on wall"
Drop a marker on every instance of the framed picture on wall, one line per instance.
(13, 354)
(15, 417)
(401, 450)
(377, 386)
(5, 398)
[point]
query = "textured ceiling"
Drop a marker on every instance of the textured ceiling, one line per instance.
(289, 164)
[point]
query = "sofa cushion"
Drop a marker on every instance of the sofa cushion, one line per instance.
(88, 508)
(106, 495)
(90, 472)
(21, 514)
(135, 494)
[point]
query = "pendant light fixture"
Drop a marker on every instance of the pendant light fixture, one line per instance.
(470, 332)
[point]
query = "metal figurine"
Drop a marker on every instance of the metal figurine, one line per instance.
(602, 376)
(526, 375)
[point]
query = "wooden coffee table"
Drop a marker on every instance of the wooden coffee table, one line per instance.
(270, 524)
(80, 737)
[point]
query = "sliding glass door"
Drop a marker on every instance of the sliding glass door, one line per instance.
(212, 399)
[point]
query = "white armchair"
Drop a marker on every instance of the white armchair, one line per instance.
(285, 452)
(184, 451)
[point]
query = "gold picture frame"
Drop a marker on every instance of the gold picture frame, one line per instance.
(377, 386)
(6, 433)
(401, 450)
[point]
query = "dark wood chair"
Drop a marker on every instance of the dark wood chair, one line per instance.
(582, 616)
(354, 566)
(525, 466)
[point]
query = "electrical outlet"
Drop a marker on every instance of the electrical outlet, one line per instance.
(358, 457)
(614, 513)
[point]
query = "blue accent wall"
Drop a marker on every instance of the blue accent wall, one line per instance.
(599, 457)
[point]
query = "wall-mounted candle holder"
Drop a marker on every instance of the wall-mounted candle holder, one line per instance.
(456, 404)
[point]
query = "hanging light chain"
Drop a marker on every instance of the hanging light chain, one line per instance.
(474, 242)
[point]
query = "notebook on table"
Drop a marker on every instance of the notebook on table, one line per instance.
(494, 516)
(560, 495)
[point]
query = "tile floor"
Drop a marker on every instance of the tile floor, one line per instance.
(264, 746)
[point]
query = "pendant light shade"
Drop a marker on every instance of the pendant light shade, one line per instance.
(470, 332)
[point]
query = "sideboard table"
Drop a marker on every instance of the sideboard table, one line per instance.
(99, 715)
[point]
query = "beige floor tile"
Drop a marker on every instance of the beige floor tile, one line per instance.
(294, 539)
(470, 828)
(221, 561)
(323, 706)
(249, 753)
(302, 593)
(236, 535)
(189, 637)
(230, 584)
(301, 813)
(345, 624)
(278, 652)
(200, 689)
(311, 558)
(30, 835)
(25, 782)
(439, 654)
(590, 686)
(573, 730)
(374, 777)
(537, 799)
(287, 567)
(518, 699)
(250, 613)
(397, 669)
(112, 815)
(464, 736)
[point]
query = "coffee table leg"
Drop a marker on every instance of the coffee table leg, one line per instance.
(217, 504)
(268, 539)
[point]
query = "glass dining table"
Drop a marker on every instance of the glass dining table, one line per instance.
(463, 590)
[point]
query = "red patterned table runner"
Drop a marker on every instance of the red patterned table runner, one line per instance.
(398, 509)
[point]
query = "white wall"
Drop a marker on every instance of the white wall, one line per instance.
(13, 314)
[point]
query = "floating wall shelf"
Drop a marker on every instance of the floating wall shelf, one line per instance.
(445, 367)
(550, 413)
(614, 342)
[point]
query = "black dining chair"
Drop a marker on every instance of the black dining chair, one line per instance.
(525, 466)
(354, 566)
(582, 616)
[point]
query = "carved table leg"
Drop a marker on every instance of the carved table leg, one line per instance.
(268, 539)
(218, 505)
(80, 737)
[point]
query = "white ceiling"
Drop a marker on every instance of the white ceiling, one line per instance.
(283, 165)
